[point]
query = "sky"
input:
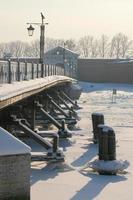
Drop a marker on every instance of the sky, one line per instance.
(67, 18)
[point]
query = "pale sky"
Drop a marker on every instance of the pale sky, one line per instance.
(67, 18)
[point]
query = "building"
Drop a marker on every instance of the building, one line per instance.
(66, 58)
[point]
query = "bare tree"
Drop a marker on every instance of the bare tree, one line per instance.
(120, 45)
(125, 46)
(93, 47)
(71, 44)
(103, 44)
(84, 46)
(51, 43)
(35, 48)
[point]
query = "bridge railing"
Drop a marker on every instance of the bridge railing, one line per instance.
(19, 71)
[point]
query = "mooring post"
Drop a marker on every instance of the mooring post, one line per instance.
(107, 146)
(97, 119)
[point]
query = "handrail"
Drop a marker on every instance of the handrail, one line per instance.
(13, 71)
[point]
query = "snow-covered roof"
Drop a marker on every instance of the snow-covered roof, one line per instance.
(10, 145)
(60, 47)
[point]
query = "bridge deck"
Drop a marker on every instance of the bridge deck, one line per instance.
(11, 93)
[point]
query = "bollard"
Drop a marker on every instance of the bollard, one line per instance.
(97, 119)
(107, 163)
(107, 146)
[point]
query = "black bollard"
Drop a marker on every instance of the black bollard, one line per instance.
(107, 146)
(97, 119)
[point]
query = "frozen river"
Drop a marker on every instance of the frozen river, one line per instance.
(61, 182)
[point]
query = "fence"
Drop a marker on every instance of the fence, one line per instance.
(19, 71)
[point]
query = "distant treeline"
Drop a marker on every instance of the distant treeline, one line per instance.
(119, 46)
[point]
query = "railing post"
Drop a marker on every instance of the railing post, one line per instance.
(25, 78)
(18, 70)
(45, 73)
(55, 70)
(37, 70)
(51, 70)
(9, 72)
(32, 70)
(42, 70)
(48, 70)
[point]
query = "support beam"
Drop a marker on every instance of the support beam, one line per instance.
(54, 153)
(57, 107)
(75, 105)
(61, 131)
(21, 124)
(68, 107)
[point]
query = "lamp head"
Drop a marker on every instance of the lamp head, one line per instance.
(30, 30)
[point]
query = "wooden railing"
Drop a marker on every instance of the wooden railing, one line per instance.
(19, 71)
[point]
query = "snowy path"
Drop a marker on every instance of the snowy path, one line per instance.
(61, 182)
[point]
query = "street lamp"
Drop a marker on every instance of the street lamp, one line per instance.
(42, 35)
(30, 30)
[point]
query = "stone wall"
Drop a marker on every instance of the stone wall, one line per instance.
(105, 70)
(15, 177)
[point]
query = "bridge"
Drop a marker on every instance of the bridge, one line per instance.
(32, 97)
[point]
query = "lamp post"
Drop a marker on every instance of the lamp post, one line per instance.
(42, 35)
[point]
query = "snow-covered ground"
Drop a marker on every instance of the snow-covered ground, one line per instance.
(65, 181)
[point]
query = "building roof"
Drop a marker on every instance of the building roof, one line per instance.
(62, 48)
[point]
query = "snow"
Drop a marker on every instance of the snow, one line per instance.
(10, 145)
(97, 114)
(109, 166)
(16, 88)
(106, 129)
(74, 179)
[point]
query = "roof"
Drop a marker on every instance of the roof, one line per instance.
(60, 47)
